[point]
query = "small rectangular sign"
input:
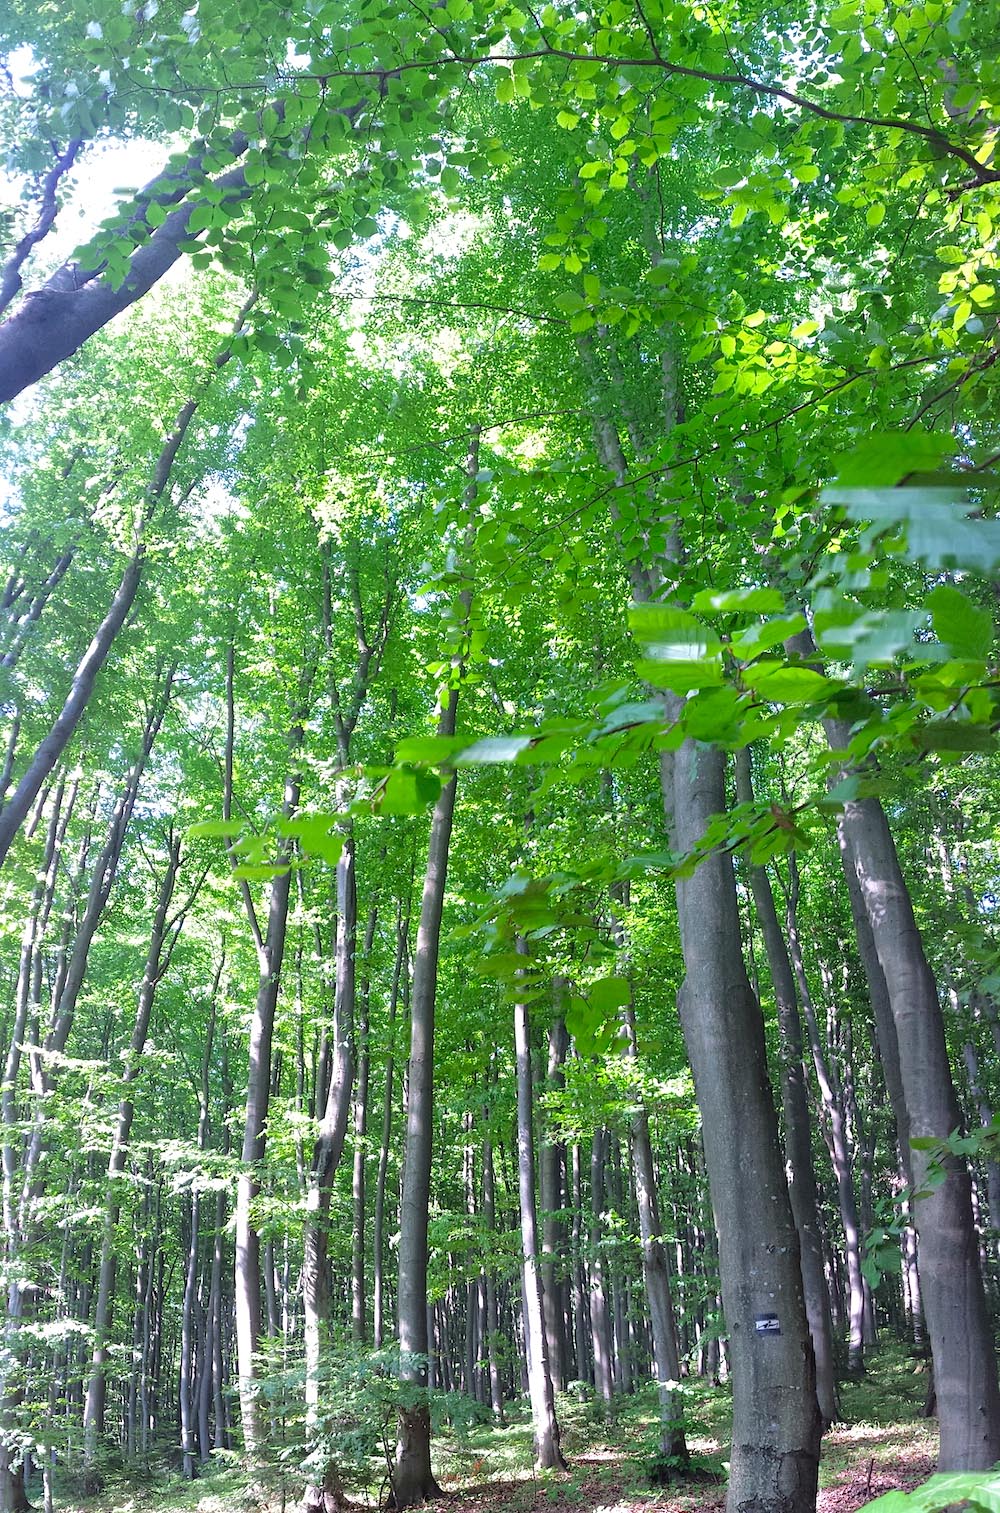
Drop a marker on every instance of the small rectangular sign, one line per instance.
(767, 1323)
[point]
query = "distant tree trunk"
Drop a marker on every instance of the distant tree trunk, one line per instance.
(358, 1298)
(543, 1413)
(157, 958)
(270, 953)
(656, 1276)
(492, 1320)
(378, 1217)
(551, 1161)
(600, 1328)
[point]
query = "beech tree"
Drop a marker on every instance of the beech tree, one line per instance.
(543, 413)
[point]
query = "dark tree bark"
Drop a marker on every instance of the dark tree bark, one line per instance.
(412, 1478)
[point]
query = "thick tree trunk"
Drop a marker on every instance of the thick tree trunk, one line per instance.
(543, 1413)
(776, 1420)
(798, 1128)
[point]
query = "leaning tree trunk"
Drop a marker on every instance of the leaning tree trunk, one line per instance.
(954, 1299)
(951, 1281)
(543, 1412)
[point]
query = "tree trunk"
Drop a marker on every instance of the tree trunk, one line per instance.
(954, 1298)
(543, 1413)
(656, 1277)
(378, 1217)
(776, 1420)
(270, 952)
(358, 1185)
(798, 1128)
(156, 961)
(412, 1478)
(328, 1150)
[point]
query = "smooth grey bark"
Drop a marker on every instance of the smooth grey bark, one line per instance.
(798, 1126)
(492, 1312)
(776, 1420)
(53, 321)
(548, 1454)
(359, 1328)
(836, 1128)
(194, 1395)
(985, 1112)
(270, 949)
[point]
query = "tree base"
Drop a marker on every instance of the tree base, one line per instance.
(669, 1470)
(329, 1498)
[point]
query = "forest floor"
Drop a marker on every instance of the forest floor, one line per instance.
(881, 1443)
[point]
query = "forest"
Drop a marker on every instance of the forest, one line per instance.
(499, 966)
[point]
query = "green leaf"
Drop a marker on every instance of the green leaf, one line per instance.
(609, 994)
(503, 748)
(681, 653)
(431, 749)
(965, 629)
(312, 831)
(787, 685)
(224, 828)
(762, 601)
(887, 456)
(408, 791)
